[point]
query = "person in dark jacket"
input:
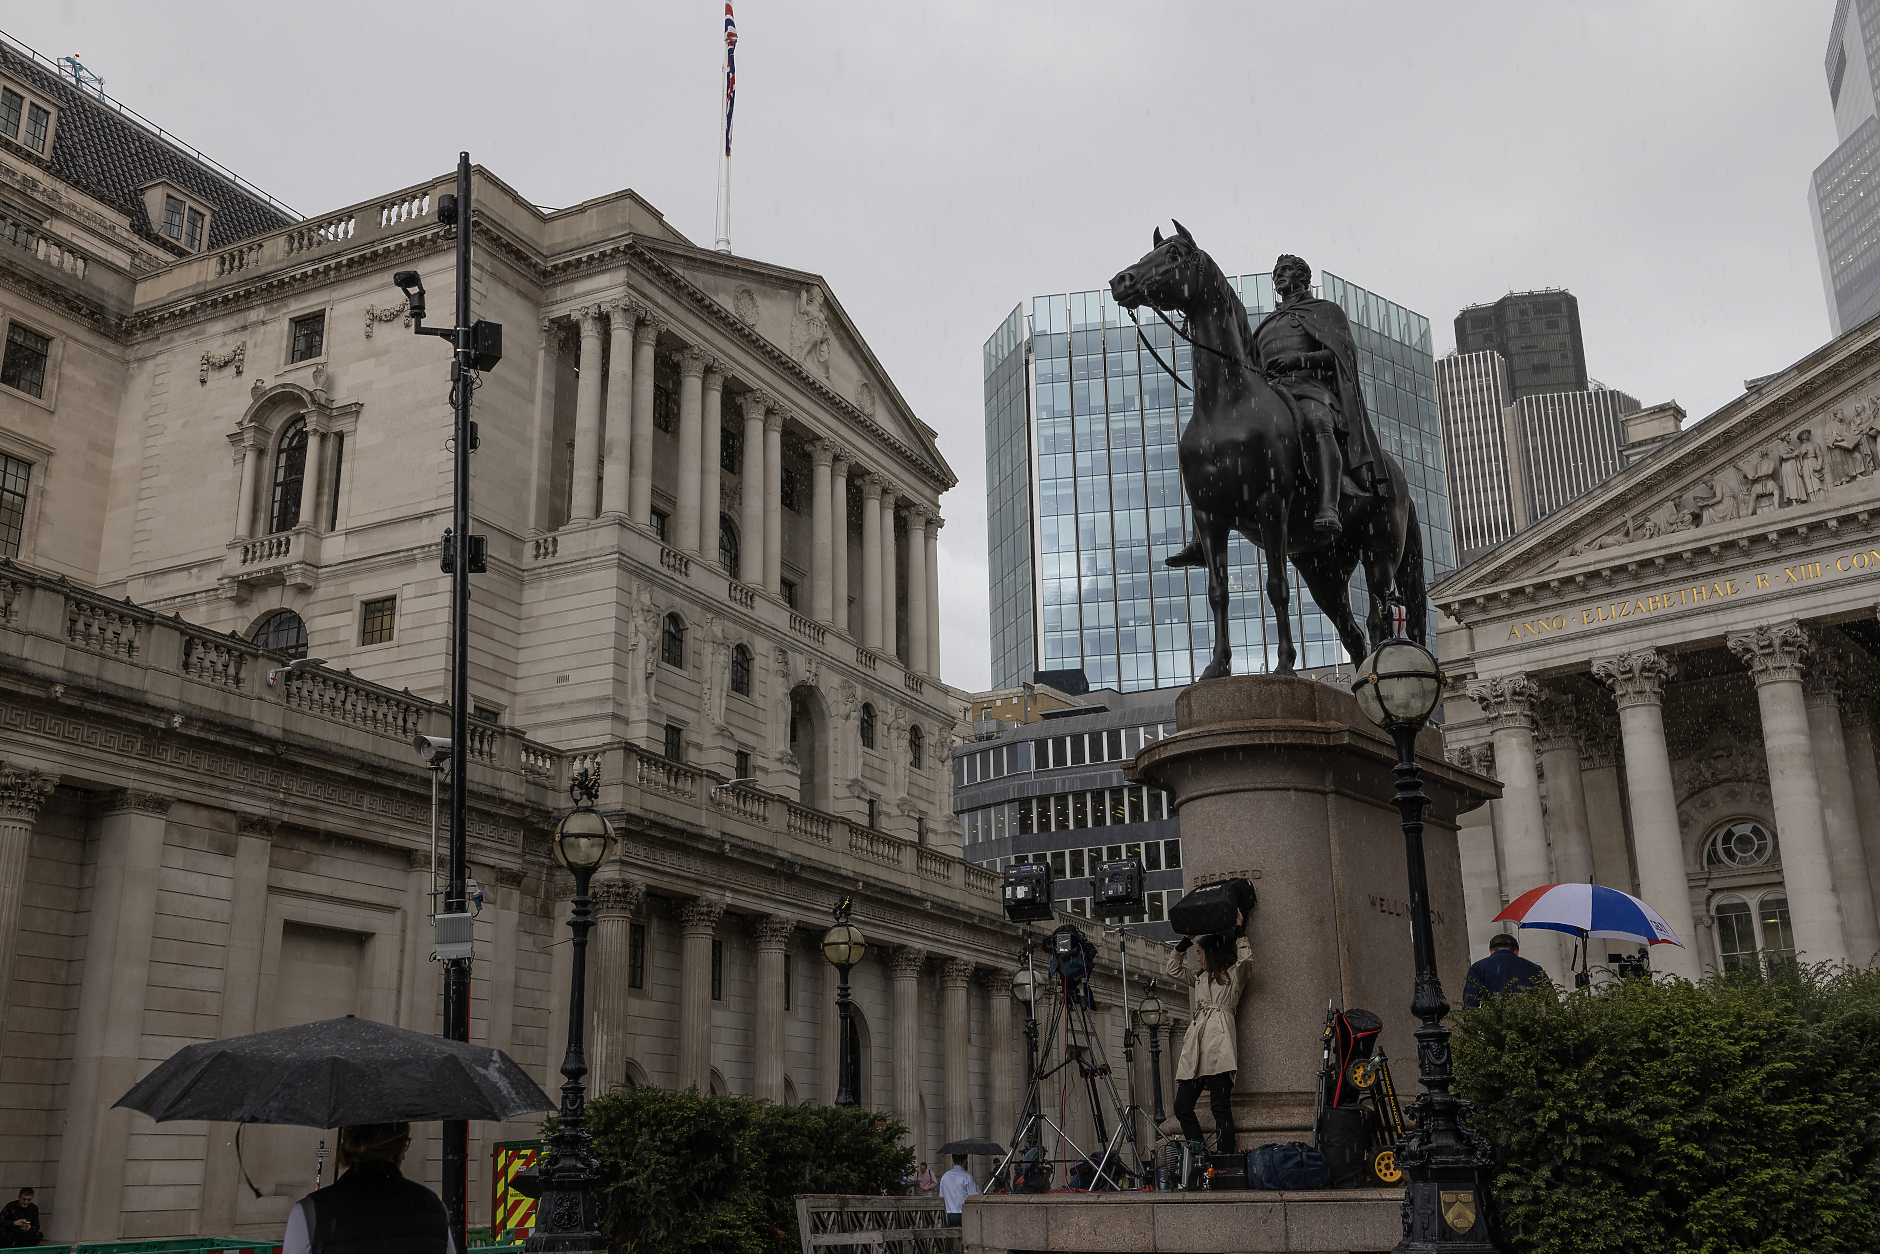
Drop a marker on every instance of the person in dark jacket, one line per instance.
(19, 1222)
(1503, 971)
(371, 1208)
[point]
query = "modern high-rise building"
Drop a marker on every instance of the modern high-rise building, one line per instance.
(1536, 333)
(1844, 191)
(1084, 497)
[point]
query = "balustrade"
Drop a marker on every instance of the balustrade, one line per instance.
(333, 231)
(751, 806)
(934, 864)
(544, 547)
(672, 778)
(745, 597)
(538, 761)
(980, 880)
(354, 702)
(807, 628)
(237, 259)
(215, 660)
(880, 846)
(912, 682)
(675, 561)
(268, 549)
(405, 209)
(807, 824)
(866, 659)
(104, 628)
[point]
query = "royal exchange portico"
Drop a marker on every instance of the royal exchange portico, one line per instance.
(1675, 679)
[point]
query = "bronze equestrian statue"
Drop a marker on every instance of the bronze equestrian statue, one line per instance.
(1281, 449)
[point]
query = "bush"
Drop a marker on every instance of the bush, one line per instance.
(1734, 1114)
(683, 1173)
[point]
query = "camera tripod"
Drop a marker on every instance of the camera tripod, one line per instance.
(1071, 1013)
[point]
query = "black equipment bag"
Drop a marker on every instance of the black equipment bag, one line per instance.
(1211, 907)
(1345, 1136)
(1226, 1171)
(1354, 1036)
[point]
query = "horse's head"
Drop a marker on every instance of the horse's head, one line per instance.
(1169, 276)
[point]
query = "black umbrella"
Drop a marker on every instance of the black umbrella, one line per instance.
(336, 1073)
(972, 1145)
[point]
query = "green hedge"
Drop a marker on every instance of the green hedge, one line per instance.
(683, 1173)
(1741, 1113)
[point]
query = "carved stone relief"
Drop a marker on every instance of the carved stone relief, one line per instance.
(744, 304)
(809, 331)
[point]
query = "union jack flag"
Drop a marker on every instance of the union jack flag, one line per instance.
(731, 72)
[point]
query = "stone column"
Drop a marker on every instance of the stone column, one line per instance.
(248, 457)
(821, 523)
(955, 975)
(711, 464)
(1510, 702)
(685, 524)
(1777, 657)
(543, 504)
(773, 502)
(698, 920)
(871, 563)
(908, 964)
(890, 573)
(617, 442)
(751, 471)
(1003, 1050)
(107, 1039)
(934, 523)
(640, 460)
(773, 942)
(839, 542)
(241, 985)
(1857, 730)
(610, 1030)
(1848, 857)
(917, 589)
(1638, 684)
(313, 488)
(1475, 843)
(587, 419)
(829, 1048)
(22, 792)
(1555, 736)
(1603, 793)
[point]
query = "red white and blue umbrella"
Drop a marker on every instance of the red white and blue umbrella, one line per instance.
(1589, 910)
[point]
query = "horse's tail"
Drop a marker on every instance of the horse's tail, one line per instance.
(1410, 585)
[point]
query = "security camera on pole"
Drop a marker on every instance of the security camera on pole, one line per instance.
(476, 347)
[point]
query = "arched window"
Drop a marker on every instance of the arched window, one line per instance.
(290, 475)
(1740, 845)
(868, 726)
(1736, 934)
(913, 746)
(1778, 937)
(672, 642)
(282, 631)
(741, 670)
(727, 546)
(1747, 938)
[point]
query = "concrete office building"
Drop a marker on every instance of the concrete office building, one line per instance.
(1536, 333)
(1844, 191)
(1084, 497)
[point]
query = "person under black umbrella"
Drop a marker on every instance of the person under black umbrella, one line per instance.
(371, 1208)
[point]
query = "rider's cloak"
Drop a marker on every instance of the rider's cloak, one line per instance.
(1327, 324)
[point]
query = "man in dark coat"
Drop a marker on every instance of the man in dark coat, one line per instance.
(19, 1222)
(1503, 971)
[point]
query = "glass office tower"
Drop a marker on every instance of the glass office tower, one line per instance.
(1084, 496)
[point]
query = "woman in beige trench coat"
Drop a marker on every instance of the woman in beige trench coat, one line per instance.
(1207, 1059)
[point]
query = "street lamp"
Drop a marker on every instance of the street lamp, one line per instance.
(844, 946)
(1445, 1208)
(1149, 1011)
(566, 1216)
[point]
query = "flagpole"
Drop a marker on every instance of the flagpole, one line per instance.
(728, 82)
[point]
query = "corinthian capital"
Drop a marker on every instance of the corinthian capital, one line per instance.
(907, 960)
(1554, 723)
(1507, 700)
(622, 315)
(956, 973)
(650, 327)
(822, 452)
(699, 916)
(590, 318)
(755, 402)
(692, 361)
(774, 931)
(1827, 679)
(1637, 678)
(1774, 654)
(614, 898)
(23, 791)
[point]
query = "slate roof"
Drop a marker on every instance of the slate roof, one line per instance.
(110, 156)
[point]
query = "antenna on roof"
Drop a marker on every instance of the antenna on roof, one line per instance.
(82, 78)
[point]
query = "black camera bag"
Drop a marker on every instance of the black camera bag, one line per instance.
(1212, 907)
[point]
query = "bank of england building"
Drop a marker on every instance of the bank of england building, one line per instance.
(711, 522)
(1674, 676)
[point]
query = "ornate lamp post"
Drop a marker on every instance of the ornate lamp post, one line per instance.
(1025, 987)
(844, 946)
(567, 1217)
(1445, 1204)
(1150, 1012)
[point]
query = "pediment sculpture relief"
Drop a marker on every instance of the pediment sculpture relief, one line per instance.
(1721, 759)
(809, 331)
(1831, 455)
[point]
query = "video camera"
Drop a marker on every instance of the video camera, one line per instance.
(1071, 954)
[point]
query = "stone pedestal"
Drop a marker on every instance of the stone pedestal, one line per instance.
(1331, 1221)
(1283, 781)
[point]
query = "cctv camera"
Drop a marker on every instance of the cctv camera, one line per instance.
(435, 750)
(408, 282)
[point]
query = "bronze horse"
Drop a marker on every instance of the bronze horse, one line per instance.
(1244, 470)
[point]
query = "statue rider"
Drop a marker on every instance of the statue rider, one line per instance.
(1306, 349)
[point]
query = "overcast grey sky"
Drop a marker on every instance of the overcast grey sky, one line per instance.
(939, 162)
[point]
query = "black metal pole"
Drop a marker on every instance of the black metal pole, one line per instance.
(1155, 1073)
(1446, 1201)
(845, 1065)
(567, 1217)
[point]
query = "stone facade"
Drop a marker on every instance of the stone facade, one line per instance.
(1674, 678)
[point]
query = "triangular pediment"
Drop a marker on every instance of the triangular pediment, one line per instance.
(798, 314)
(1800, 448)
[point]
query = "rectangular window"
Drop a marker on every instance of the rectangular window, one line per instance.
(1080, 809)
(37, 122)
(788, 489)
(636, 955)
(1171, 855)
(192, 231)
(309, 337)
(173, 217)
(659, 525)
(786, 981)
(24, 366)
(1025, 817)
(1112, 853)
(1152, 856)
(920, 828)
(1155, 907)
(1076, 870)
(675, 743)
(339, 461)
(741, 764)
(1113, 745)
(488, 713)
(728, 450)
(11, 105)
(665, 413)
(1134, 800)
(718, 969)
(375, 620)
(1077, 750)
(1061, 812)
(1057, 864)
(871, 814)
(14, 475)
(789, 592)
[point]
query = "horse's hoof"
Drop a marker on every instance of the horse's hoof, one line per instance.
(1189, 556)
(1217, 670)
